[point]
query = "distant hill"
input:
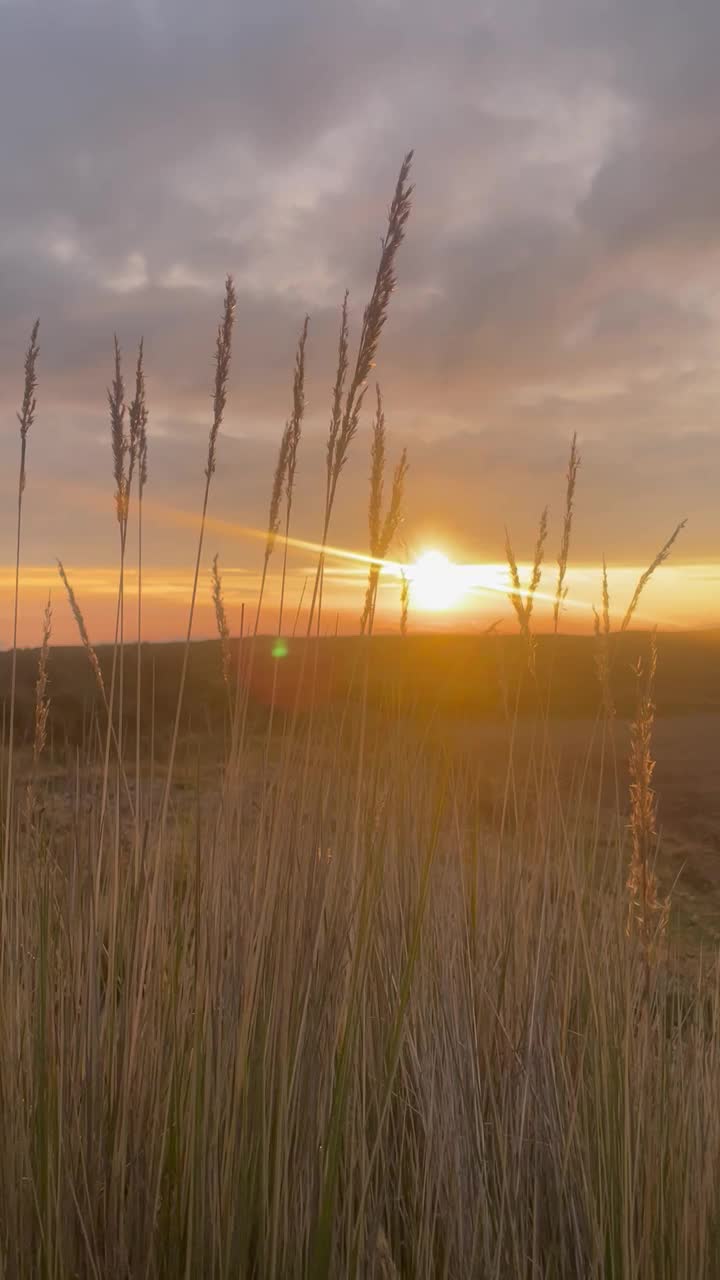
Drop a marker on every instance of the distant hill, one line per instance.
(455, 675)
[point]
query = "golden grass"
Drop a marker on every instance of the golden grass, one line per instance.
(283, 485)
(564, 552)
(82, 630)
(644, 578)
(404, 601)
(223, 348)
(222, 622)
(321, 1013)
(347, 404)
(42, 701)
(230, 1064)
(383, 528)
(647, 912)
(523, 599)
(26, 418)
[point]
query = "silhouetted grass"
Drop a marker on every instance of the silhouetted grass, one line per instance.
(296, 996)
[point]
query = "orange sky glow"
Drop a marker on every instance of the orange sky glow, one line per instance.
(552, 282)
(679, 596)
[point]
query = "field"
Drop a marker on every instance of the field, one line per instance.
(342, 1011)
(448, 692)
(383, 956)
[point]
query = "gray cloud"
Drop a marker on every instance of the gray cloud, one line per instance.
(561, 270)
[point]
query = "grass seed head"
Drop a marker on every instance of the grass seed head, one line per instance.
(119, 441)
(221, 621)
(564, 553)
(297, 415)
(26, 414)
(660, 558)
(137, 419)
(82, 629)
(42, 701)
(373, 319)
(223, 351)
(647, 911)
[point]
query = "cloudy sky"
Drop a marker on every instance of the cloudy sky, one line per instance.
(561, 271)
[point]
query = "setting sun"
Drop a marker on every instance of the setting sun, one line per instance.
(435, 581)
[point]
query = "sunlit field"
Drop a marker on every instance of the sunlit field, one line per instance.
(365, 954)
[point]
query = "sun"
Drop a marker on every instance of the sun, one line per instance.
(435, 582)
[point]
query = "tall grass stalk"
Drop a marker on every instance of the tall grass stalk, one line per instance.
(122, 463)
(347, 406)
(383, 527)
(42, 706)
(647, 911)
(83, 633)
(602, 653)
(42, 701)
(274, 515)
(223, 349)
(294, 435)
(26, 418)
(645, 577)
(564, 552)
(139, 418)
(602, 624)
(283, 488)
(523, 599)
(295, 425)
(222, 624)
(404, 601)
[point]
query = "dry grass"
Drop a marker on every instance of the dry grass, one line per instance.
(234, 1066)
(383, 527)
(26, 418)
(120, 447)
(645, 577)
(404, 601)
(523, 599)
(283, 485)
(325, 1015)
(647, 912)
(347, 404)
(82, 630)
(564, 552)
(221, 622)
(223, 348)
(42, 701)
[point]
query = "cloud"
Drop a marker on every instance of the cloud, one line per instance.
(561, 270)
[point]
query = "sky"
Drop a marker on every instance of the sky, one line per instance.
(561, 273)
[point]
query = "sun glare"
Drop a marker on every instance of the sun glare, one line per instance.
(435, 581)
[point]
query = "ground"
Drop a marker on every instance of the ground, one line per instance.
(466, 695)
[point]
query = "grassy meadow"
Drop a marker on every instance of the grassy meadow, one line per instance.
(360, 963)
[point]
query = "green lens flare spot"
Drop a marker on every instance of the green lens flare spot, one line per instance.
(279, 649)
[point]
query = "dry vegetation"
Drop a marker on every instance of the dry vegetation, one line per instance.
(330, 1017)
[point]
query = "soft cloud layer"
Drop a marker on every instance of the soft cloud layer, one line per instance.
(561, 270)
